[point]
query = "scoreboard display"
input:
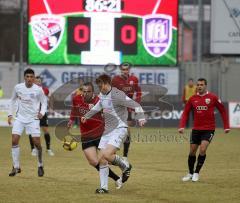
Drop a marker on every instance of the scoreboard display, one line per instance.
(98, 32)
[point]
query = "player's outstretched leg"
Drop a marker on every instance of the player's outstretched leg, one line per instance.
(124, 166)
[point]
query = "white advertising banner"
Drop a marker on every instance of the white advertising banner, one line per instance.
(234, 114)
(4, 108)
(55, 77)
(225, 27)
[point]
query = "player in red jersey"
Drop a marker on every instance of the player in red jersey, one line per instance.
(203, 105)
(92, 130)
(128, 83)
(43, 123)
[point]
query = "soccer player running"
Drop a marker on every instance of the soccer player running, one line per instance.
(203, 104)
(113, 102)
(129, 85)
(92, 130)
(27, 96)
(43, 123)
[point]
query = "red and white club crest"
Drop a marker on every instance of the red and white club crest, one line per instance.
(207, 100)
(47, 31)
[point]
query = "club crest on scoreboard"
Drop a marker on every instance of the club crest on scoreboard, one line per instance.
(157, 34)
(47, 31)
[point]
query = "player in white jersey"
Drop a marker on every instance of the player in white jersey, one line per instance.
(113, 102)
(27, 97)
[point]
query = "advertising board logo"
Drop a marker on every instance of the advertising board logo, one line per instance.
(202, 108)
(157, 34)
(47, 31)
(47, 78)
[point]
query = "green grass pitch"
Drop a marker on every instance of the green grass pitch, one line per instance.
(159, 159)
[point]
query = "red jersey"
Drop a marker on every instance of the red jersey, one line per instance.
(128, 85)
(45, 90)
(203, 108)
(93, 128)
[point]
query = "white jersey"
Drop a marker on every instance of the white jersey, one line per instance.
(114, 106)
(27, 102)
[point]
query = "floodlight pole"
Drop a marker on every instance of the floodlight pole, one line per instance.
(20, 68)
(199, 39)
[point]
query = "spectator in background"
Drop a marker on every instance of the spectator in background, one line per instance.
(189, 90)
(1, 92)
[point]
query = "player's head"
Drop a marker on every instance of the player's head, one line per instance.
(104, 83)
(201, 85)
(125, 68)
(87, 90)
(29, 77)
(38, 80)
(190, 82)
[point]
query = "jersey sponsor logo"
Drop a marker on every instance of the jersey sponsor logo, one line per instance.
(157, 34)
(47, 31)
(202, 108)
(207, 100)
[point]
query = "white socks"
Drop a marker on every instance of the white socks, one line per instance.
(15, 156)
(103, 173)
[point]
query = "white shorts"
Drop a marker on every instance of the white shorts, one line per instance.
(32, 128)
(115, 138)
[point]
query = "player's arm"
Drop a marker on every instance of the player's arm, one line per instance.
(11, 108)
(185, 115)
(43, 101)
(138, 92)
(122, 99)
(224, 114)
(95, 109)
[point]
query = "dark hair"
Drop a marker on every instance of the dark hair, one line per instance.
(38, 77)
(203, 79)
(29, 71)
(125, 65)
(89, 84)
(190, 79)
(104, 78)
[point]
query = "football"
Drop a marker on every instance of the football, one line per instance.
(70, 145)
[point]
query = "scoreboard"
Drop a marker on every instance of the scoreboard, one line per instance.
(98, 32)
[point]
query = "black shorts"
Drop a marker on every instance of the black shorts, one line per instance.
(90, 143)
(198, 135)
(44, 121)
